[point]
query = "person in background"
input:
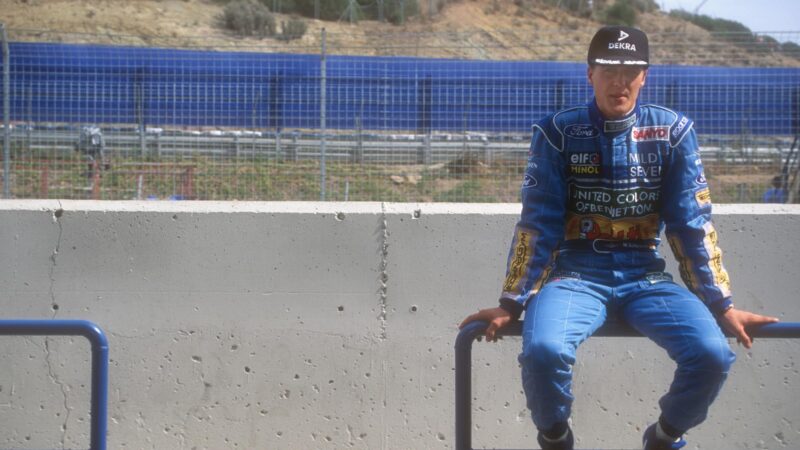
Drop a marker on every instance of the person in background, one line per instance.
(776, 194)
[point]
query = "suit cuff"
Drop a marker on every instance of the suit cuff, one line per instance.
(512, 307)
(720, 306)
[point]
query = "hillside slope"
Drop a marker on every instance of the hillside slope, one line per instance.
(475, 29)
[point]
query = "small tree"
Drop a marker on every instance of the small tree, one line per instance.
(580, 8)
(791, 49)
(328, 9)
(398, 11)
(249, 18)
(622, 12)
(293, 29)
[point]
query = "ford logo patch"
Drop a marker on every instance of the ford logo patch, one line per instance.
(529, 181)
(581, 131)
(701, 179)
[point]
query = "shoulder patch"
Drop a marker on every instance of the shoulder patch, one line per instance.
(679, 125)
(679, 129)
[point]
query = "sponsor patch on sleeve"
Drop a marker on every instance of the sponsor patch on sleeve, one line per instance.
(519, 260)
(679, 129)
(703, 197)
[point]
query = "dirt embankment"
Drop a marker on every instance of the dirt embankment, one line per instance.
(473, 29)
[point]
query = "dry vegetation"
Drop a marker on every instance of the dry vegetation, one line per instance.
(475, 29)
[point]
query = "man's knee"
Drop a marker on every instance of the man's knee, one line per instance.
(713, 356)
(543, 356)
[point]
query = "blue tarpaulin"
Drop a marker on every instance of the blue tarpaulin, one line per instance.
(63, 83)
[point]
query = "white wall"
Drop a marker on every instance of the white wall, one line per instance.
(331, 325)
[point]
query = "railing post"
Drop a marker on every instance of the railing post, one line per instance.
(463, 386)
(99, 342)
(612, 328)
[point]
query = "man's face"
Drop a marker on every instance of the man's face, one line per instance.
(616, 88)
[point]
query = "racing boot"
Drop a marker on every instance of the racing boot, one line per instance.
(651, 442)
(566, 442)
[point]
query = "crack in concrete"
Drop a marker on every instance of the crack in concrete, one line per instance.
(383, 273)
(56, 216)
(54, 306)
(54, 378)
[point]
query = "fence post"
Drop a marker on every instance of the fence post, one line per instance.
(322, 112)
(278, 149)
(359, 154)
(139, 89)
(6, 114)
(424, 152)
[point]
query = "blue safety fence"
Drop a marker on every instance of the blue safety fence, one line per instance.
(612, 328)
(101, 84)
(95, 335)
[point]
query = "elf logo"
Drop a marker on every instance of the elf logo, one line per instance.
(585, 158)
(650, 134)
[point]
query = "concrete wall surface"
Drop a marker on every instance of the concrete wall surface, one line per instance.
(331, 325)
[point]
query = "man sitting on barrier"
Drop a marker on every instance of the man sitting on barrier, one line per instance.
(603, 180)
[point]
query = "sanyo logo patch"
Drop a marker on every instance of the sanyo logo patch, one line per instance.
(650, 134)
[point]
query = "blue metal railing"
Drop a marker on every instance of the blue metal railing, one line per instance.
(468, 334)
(99, 408)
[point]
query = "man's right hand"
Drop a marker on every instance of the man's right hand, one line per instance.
(497, 318)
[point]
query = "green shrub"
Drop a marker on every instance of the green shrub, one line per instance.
(729, 30)
(644, 6)
(395, 11)
(293, 29)
(622, 12)
(328, 9)
(280, 6)
(398, 11)
(791, 49)
(710, 23)
(581, 8)
(249, 18)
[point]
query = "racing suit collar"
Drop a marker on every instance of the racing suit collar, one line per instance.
(612, 127)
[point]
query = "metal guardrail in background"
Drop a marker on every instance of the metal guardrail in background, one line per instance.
(468, 334)
(95, 335)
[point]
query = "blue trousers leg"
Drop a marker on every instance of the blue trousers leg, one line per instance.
(679, 322)
(563, 314)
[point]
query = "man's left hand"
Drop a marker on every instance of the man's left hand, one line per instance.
(738, 321)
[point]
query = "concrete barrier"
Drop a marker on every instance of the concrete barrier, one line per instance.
(331, 325)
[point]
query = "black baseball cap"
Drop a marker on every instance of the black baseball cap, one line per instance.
(618, 45)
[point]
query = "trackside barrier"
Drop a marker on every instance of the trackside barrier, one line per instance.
(95, 335)
(468, 334)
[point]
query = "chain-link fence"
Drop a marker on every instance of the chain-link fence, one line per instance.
(337, 120)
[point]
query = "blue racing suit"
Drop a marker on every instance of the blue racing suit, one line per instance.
(595, 198)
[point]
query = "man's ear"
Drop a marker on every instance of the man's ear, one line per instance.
(644, 76)
(589, 74)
